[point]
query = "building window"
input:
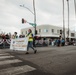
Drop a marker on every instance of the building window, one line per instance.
(22, 33)
(72, 34)
(26, 32)
(52, 30)
(39, 30)
(58, 31)
(45, 30)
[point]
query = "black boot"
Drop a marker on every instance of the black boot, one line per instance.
(35, 51)
(27, 52)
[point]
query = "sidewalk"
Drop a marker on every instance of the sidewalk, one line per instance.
(40, 49)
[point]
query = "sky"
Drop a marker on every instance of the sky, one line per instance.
(48, 12)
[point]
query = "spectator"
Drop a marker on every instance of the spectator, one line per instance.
(62, 42)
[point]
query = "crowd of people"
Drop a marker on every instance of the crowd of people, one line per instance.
(5, 40)
(9, 36)
(57, 42)
(53, 42)
(5, 36)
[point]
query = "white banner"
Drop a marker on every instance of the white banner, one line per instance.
(19, 44)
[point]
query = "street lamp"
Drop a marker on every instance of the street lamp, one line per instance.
(26, 8)
(68, 18)
(34, 13)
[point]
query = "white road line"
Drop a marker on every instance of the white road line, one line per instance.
(4, 57)
(9, 61)
(4, 54)
(17, 70)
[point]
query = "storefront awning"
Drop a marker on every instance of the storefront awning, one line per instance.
(48, 35)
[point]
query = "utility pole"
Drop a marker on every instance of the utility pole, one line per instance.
(75, 16)
(63, 22)
(75, 6)
(68, 18)
(34, 15)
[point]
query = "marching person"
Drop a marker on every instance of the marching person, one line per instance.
(14, 36)
(30, 41)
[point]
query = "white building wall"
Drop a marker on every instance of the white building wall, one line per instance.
(46, 31)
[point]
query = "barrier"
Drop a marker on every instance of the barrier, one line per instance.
(1, 41)
(5, 43)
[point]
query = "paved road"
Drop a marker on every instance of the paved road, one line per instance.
(10, 64)
(47, 61)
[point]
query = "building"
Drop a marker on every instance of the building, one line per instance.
(50, 31)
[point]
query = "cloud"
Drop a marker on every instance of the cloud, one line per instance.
(9, 30)
(47, 12)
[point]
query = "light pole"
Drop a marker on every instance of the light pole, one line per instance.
(34, 13)
(26, 8)
(63, 22)
(68, 18)
(75, 16)
(75, 6)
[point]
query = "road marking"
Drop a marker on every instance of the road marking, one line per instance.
(4, 54)
(17, 70)
(9, 61)
(4, 57)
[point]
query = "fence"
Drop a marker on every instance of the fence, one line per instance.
(5, 43)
